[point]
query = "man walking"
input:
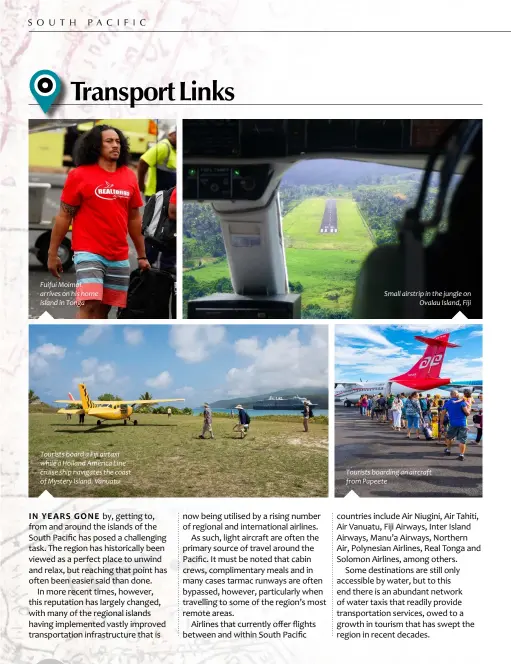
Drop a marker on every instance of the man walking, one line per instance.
(208, 421)
(244, 420)
(457, 410)
(101, 199)
(306, 415)
(169, 412)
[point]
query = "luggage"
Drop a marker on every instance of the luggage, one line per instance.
(149, 295)
(157, 228)
(427, 431)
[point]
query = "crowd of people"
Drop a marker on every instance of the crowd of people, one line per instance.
(428, 416)
(243, 424)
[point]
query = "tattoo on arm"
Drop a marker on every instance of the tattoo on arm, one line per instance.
(70, 209)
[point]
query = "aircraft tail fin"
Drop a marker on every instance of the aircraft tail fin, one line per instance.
(85, 398)
(426, 371)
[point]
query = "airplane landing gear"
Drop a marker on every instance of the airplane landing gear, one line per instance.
(125, 422)
(98, 422)
(135, 422)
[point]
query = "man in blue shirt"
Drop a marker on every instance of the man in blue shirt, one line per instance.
(243, 420)
(458, 409)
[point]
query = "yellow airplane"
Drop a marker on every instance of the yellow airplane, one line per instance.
(105, 410)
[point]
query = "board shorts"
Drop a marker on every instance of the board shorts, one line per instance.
(100, 279)
(458, 433)
(412, 421)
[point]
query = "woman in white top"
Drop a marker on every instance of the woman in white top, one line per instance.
(396, 409)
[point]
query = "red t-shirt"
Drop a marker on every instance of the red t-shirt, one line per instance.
(105, 199)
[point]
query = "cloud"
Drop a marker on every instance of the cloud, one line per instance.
(247, 347)
(50, 350)
(91, 334)
(40, 359)
(105, 373)
(88, 380)
(379, 357)
(96, 373)
(352, 363)
(181, 391)
(364, 332)
(430, 328)
(133, 336)
(281, 362)
(463, 368)
(476, 333)
(89, 364)
(193, 343)
(162, 380)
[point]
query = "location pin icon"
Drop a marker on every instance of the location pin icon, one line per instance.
(45, 86)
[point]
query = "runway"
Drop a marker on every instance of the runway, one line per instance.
(367, 450)
(329, 222)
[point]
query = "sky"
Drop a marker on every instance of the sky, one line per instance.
(196, 362)
(379, 352)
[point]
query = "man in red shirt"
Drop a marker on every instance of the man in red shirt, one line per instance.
(101, 199)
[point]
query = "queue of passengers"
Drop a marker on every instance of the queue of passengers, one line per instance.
(416, 413)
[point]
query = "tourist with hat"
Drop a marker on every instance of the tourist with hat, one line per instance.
(208, 421)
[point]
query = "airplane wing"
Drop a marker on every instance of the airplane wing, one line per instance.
(70, 411)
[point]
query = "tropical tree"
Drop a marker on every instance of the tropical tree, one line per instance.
(108, 397)
(146, 396)
(32, 397)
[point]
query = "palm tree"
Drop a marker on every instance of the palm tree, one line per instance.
(32, 397)
(145, 397)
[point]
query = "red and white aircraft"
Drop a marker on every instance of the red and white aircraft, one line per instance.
(424, 376)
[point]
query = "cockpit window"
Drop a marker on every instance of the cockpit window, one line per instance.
(334, 212)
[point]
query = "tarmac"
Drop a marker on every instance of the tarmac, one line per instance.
(374, 461)
(329, 222)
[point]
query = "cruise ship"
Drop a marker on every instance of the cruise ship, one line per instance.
(281, 403)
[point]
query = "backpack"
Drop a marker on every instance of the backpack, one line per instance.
(311, 414)
(149, 295)
(248, 417)
(157, 228)
(165, 176)
(477, 419)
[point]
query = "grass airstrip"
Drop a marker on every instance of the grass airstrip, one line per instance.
(326, 264)
(165, 457)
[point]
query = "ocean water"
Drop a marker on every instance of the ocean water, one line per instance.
(258, 413)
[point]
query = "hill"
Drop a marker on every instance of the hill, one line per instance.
(318, 395)
(41, 407)
(341, 172)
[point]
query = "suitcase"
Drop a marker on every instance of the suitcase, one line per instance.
(149, 295)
